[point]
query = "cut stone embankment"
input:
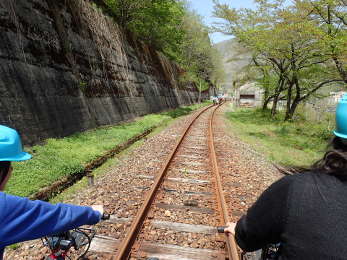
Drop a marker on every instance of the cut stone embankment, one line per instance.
(70, 68)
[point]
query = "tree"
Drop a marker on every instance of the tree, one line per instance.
(217, 74)
(287, 48)
(197, 54)
(126, 11)
(170, 27)
(331, 18)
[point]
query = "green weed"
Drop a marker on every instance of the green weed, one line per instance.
(299, 142)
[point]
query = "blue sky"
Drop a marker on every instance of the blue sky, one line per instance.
(205, 9)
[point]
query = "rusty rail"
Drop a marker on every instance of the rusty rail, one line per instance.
(128, 242)
(230, 240)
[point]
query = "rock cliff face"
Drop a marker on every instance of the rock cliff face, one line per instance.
(66, 67)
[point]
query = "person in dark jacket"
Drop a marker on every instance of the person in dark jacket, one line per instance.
(306, 212)
(22, 219)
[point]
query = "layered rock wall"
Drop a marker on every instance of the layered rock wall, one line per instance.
(66, 67)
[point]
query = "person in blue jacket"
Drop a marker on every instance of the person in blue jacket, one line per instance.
(22, 219)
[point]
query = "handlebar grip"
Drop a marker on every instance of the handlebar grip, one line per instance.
(221, 229)
(105, 216)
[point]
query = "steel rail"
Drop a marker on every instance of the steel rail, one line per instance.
(230, 240)
(127, 244)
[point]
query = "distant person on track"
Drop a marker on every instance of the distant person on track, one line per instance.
(306, 213)
(214, 100)
(22, 219)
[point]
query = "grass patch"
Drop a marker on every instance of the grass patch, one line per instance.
(65, 156)
(296, 143)
(182, 111)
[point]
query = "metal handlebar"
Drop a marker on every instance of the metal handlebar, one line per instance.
(221, 229)
(105, 216)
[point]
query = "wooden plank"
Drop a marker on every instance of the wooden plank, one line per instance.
(194, 164)
(181, 227)
(191, 156)
(198, 136)
(171, 190)
(198, 193)
(103, 244)
(194, 137)
(173, 252)
(184, 180)
(142, 188)
(203, 229)
(146, 177)
(181, 207)
(191, 181)
(196, 148)
(188, 171)
(201, 193)
(196, 142)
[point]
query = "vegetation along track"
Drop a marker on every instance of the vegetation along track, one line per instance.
(183, 206)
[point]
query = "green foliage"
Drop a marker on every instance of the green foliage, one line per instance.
(160, 25)
(298, 142)
(182, 111)
(202, 62)
(173, 29)
(297, 49)
(62, 157)
(14, 246)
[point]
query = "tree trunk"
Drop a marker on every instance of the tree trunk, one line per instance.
(294, 81)
(290, 113)
(279, 89)
(289, 101)
(274, 105)
(199, 98)
(340, 69)
(292, 107)
(266, 102)
(266, 99)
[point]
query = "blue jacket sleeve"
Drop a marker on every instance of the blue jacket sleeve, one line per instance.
(22, 219)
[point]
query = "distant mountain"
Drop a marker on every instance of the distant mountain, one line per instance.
(235, 58)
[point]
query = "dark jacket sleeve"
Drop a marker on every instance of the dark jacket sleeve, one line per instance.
(22, 219)
(264, 221)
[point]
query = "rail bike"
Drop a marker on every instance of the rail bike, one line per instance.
(71, 244)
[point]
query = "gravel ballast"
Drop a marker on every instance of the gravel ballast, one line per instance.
(245, 174)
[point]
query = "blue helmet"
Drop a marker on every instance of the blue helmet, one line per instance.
(10, 145)
(341, 118)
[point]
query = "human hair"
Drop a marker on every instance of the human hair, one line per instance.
(4, 169)
(334, 161)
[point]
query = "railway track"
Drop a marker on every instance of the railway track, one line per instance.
(183, 205)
